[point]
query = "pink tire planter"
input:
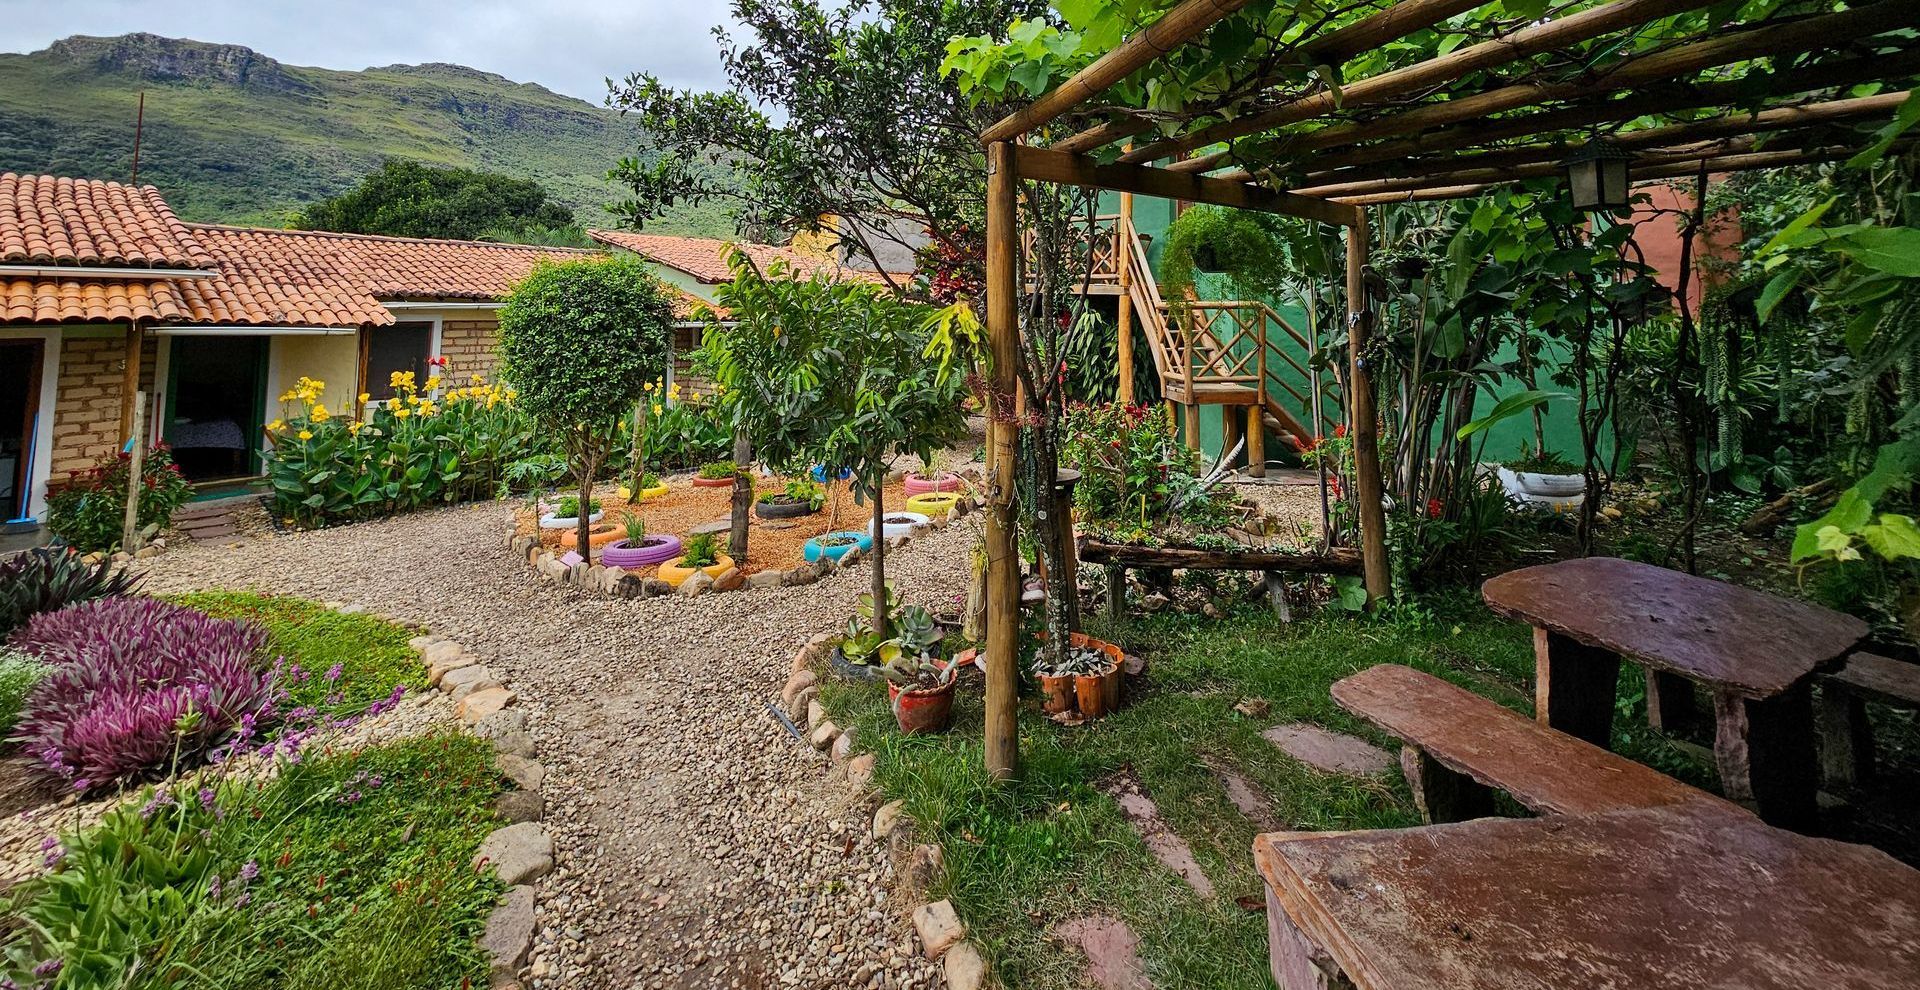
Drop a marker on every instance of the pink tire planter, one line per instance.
(945, 481)
(653, 550)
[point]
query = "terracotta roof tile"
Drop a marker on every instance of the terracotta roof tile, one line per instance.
(49, 220)
(46, 300)
(705, 258)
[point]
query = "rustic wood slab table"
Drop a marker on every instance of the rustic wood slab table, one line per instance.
(1752, 650)
(1643, 899)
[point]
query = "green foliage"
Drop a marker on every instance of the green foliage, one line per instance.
(408, 198)
(423, 447)
(47, 579)
(1250, 249)
(1136, 476)
(800, 491)
(18, 675)
(715, 470)
(89, 509)
(340, 871)
(633, 527)
(686, 434)
(569, 507)
(255, 148)
(701, 550)
(372, 654)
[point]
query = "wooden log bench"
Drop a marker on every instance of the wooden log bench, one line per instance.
(1119, 557)
(1846, 740)
(1460, 748)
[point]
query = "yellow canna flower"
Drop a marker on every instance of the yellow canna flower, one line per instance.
(393, 403)
(306, 434)
(656, 409)
(364, 396)
(320, 414)
(354, 427)
(276, 426)
(433, 382)
(402, 413)
(289, 396)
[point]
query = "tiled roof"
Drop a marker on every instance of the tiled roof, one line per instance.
(48, 220)
(705, 258)
(46, 300)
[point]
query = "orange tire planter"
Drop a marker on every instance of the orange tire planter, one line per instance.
(672, 573)
(699, 482)
(597, 536)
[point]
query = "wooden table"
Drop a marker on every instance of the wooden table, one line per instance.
(1646, 899)
(1752, 650)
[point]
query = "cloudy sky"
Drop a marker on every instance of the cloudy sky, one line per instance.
(570, 46)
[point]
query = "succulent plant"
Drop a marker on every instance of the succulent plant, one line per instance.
(48, 579)
(917, 631)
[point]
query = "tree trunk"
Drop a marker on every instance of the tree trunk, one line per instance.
(742, 497)
(583, 527)
(880, 617)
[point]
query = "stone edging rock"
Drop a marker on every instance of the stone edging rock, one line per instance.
(618, 583)
(943, 936)
(521, 852)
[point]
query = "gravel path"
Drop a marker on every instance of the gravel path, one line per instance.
(699, 844)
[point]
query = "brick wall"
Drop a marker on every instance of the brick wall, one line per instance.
(469, 347)
(86, 410)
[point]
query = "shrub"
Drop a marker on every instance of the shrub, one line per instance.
(89, 510)
(425, 446)
(1135, 474)
(136, 684)
(45, 580)
(569, 507)
(18, 675)
(718, 469)
(701, 551)
(686, 434)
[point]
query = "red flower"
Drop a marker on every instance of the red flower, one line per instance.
(1340, 431)
(1435, 508)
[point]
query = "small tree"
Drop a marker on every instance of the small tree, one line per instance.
(843, 373)
(580, 340)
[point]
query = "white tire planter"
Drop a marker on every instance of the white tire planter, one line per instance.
(551, 521)
(1551, 485)
(892, 529)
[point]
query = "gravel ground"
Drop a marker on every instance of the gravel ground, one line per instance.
(699, 844)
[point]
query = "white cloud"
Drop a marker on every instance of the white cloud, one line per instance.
(571, 47)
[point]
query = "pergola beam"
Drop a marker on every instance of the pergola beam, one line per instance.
(1783, 38)
(1047, 165)
(1525, 43)
(1335, 48)
(1175, 28)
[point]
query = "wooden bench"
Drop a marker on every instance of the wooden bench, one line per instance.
(1461, 747)
(1846, 740)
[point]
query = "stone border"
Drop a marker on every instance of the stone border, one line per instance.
(521, 852)
(942, 935)
(617, 582)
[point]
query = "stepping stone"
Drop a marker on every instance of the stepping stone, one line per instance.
(1329, 751)
(717, 528)
(1113, 951)
(1249, 798)
(963, 968)
(1166, 846)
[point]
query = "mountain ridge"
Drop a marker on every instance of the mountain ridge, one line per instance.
(234, 135)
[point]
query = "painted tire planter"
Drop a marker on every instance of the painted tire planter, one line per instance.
(933, 503)
(672, 573)
(699, 482)
(654, 492)
(922, 713)
(904, 526)
(1552, 485)
(783, 510)
(551, 521)
(598, 536)
(945, 481)
(815, 549)
(654, 550)
(819, 473)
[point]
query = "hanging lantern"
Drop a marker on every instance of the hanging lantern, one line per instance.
(1597, 176)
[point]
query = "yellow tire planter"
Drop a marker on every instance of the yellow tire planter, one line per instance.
(672, 573)
(933, 503)
(654, 492)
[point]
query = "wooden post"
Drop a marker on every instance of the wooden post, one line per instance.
(1765, 749)
(1364, 428)
(1229, 428)
(1123, 240)
(1441, 794)
(1256, 442)
(1116, 592)
(1003, 555)
(1670, 702)
(130, 378)
(130, 526)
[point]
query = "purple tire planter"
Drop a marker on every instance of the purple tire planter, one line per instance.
(655, 550)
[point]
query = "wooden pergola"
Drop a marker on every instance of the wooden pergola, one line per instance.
(1507, 109)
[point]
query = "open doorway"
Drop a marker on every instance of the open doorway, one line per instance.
(20, 368)
(216, 403)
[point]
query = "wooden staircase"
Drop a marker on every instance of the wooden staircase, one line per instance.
(1241, 356)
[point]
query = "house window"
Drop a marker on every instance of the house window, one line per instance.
(400, 347)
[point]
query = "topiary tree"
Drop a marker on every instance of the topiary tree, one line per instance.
(842, 373)
(580, 340)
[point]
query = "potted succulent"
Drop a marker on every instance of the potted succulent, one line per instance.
(637, 549)
(566, 514)
(858, 655)
(836, 545)
(800, 497)
(919, 683)
(716, 474)
(900, 524)
(700, 554)
(1084, 678)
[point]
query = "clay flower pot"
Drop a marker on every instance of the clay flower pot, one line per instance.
(1056, 694)
(1090, 695)
(918, 484)
(921, 713)
(674, 574)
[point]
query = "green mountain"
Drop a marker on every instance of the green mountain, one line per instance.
(236, 137)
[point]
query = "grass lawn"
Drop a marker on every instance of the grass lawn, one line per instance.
(1025, 857)
(344, 869)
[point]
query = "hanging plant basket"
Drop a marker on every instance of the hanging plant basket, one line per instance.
(652, 550)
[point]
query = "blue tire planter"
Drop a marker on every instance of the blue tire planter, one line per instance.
(814, 551)
(653, 551)
(820, 473)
